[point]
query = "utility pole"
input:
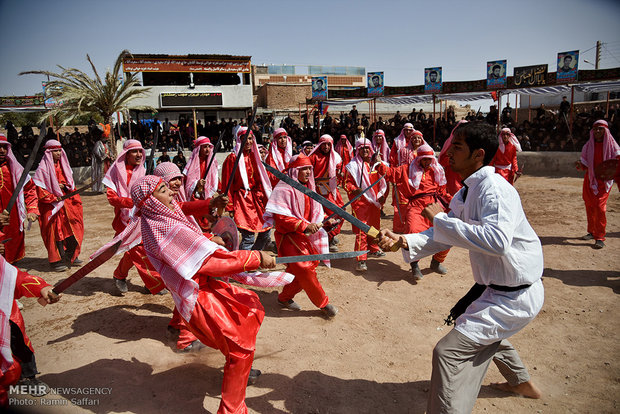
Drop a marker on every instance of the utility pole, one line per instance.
(598, 54)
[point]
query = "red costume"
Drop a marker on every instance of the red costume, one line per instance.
(345, 150)
(15, 284)
(250, 188)
(595, 191)
(290, 212)
(420, 187)
(222, 316)
(368, 207)
(505, 159)
(61, 222)
(402, 153)
(10, 171)
(453, 180)
(278, 157)
(196, 170)
(325, 167)
(119, 179)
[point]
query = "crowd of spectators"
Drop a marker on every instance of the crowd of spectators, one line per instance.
(547, 131)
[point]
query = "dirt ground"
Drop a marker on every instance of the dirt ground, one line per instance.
(374, 357)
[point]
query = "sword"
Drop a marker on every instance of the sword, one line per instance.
(215, 149)
(149, 160)
(371, 231)
(395, 188)
(355, 198)
(84, 270)
(78, 191)
(27, 167)
(314, 257)
(220, 211)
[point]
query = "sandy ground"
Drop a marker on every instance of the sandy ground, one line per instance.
(374, 357)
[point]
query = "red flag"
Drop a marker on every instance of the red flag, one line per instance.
(494, 96)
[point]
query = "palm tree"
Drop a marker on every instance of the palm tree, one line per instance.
(79, 94)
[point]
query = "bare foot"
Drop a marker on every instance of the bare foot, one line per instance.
(525, 389)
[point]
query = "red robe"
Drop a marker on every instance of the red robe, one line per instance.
(596, 204)
(399, 199)
(365, 211)
(14, 249)
(67, 222)
(320, 166)
(346, 157)
(417, 199)
(270, 161)
(453, 179)
(228, 318)
(505, 163)
(248, 209)
(291, 241)
(203, 222)
(136, 256)
(29, 286)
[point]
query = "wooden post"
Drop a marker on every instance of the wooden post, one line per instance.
(118, 119)
(516, 108)
(195, 131)
(499, 105)
(529, 108)
(129, 123)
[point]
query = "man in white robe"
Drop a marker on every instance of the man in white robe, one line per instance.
(507, 263)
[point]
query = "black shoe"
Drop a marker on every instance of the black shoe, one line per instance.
(254, 374)
(290, 304)
(193, 347)
(164, 291)
(172, 333)
(599, 244)
(330, 310)
(77, 262)
(36, 387)
(415, 271)
(121, 285)
(588, 236)
(58, 267)
(438, 267)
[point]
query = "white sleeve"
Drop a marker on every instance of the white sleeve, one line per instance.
(492, 235)
(421, 245)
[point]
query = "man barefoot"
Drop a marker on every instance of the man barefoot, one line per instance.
(507, 263)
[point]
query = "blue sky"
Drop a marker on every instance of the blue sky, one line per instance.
(400, 38)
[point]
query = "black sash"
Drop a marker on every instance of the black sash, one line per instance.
(474, 293)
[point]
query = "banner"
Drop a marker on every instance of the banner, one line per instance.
(526, 76)
(432, 80)
(374, 80)
(185, 65)
(319, 88)
(34, 102)
(567, 66)
(496, 74)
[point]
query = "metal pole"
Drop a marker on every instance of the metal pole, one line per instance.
(572, 111)
(529, 108)
(607, 110)
(516, 108)
(499, 105)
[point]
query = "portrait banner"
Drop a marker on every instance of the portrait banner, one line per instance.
(496, 74)
(375, 84)
(319, 88)
(568, 63)
(433, 80)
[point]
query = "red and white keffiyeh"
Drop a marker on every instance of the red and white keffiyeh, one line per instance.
(168, 171)
(275, 152)
(8, 279)
(287, 201)
(362, 177)
(16, 171)
(116, 177)
(513, 140)
(416, 170)
(407, 153)
(611, 150)
(192, 170)
(177, 248)
(448, 143)
(264, 178)
(344, 144)
(400, 141)
(45, 176)
(384, 151)
(334, 160)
